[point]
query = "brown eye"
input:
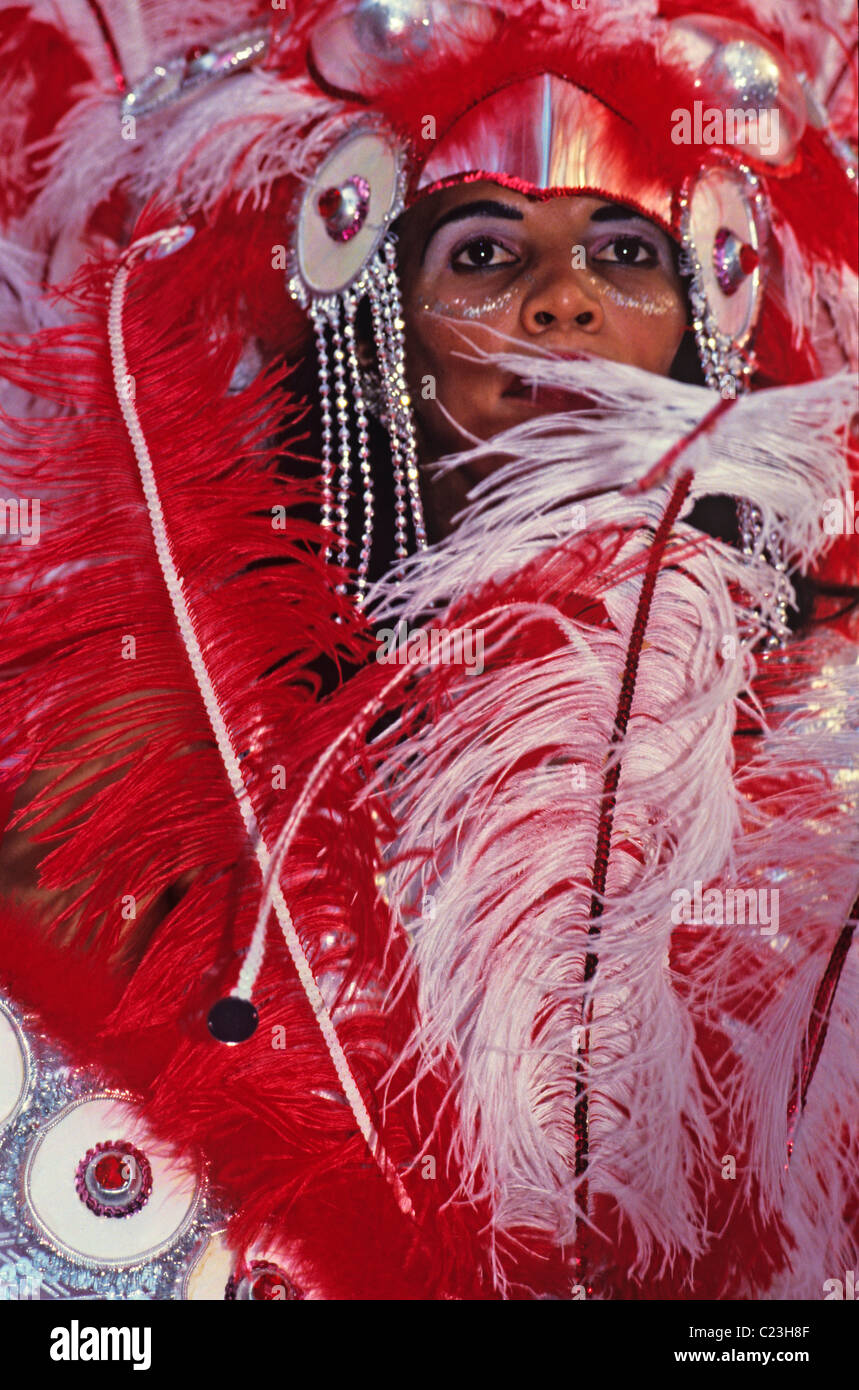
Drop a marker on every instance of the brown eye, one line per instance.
(481, 253)
(626, 250)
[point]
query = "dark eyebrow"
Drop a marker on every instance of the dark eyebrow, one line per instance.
(616, 212)
(483, 207)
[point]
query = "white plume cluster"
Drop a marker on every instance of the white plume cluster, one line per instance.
(499, 799)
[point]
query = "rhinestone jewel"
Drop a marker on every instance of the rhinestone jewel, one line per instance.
(262, 1282)
(344, 209)
(114, 1179)
(733, 260)
(112, 1173)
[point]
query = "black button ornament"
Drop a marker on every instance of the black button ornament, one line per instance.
(233, 1020)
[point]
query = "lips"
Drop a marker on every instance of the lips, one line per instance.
(547, 398)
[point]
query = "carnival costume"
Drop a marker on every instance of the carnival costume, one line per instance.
(419, 1018)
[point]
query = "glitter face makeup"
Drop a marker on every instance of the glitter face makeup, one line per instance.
(663, 302)
(460, 308)
(648, 304)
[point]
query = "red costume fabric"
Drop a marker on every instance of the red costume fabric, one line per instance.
(575, 1091)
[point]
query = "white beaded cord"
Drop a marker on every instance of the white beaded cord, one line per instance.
(254, 958)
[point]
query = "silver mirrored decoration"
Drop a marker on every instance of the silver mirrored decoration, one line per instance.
(723, 230)
(198, 66)
(745, 76)
(394, 30)
(15, 1068)
(355, 51)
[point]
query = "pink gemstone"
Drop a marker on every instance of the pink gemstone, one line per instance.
(112, 1172)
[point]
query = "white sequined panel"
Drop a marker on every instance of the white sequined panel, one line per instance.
(59, 1212)
(60, 1232)
(14, 1068)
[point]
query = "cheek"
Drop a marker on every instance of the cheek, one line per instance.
(652, 340)
(671, 336)
(428, 371)
(425, 368)
(434, 348)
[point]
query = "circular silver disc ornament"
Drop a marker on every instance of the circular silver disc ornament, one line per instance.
(725, 241)
(346, 210)
(746, 77)
(88, 1129)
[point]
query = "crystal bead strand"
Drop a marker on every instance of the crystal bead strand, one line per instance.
(779, 629)
(319, 319)
(395, 324)
(750, 522)
(375, 292)
(341, 402)
(350, 307)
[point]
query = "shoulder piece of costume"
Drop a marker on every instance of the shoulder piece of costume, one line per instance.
(444, 999)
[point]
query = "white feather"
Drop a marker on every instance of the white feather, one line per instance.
(508, 853)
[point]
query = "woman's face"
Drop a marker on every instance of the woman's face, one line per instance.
(571, 274)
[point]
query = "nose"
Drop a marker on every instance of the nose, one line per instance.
(560, 298)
